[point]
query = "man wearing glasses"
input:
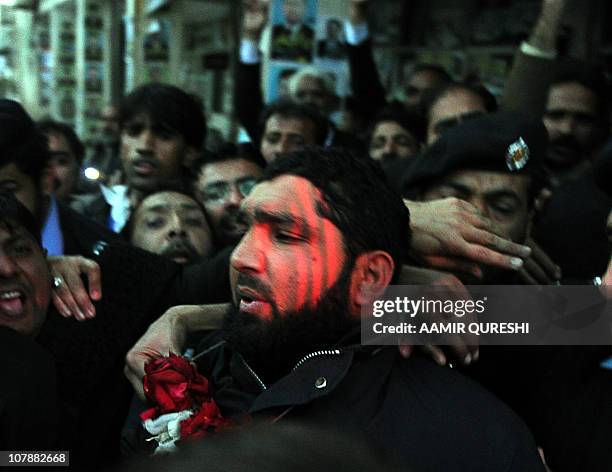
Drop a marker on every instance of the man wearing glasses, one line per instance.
(223, 180)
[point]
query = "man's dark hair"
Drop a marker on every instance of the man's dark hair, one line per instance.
(13, 212)
(431, 97)
(167, 106)
(359, 201)
(228, 151)
(48, 127)
(287, 108)
(592, 78)
(443, 76)
(20, 142)
(412, 122)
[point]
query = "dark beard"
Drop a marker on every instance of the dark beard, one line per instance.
(272, 348)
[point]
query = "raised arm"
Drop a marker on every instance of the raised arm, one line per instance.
(365, 81)
(248, 95)
(534, 63)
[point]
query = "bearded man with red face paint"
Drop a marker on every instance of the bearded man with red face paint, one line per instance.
(325, 237)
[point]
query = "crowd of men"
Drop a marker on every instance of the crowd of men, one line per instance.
(258, 259)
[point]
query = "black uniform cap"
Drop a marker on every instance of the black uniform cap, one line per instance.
(504, 142)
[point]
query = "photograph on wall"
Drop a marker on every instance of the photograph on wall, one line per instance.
(157, 41)
(293, 30)
(331, 44)
(93, 77)
(278, 81)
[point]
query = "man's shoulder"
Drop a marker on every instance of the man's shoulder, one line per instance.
(441, 409)
(431, 416)
(81, 234)
(91, 205)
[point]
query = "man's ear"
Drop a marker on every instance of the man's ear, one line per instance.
(372, 274)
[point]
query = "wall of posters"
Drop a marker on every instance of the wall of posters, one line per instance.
(300, 37)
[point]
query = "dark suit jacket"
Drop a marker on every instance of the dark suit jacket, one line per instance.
(430, 417)
(82, 233)
(92, 206)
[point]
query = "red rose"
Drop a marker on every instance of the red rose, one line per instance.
(207, 420)
(173, 384)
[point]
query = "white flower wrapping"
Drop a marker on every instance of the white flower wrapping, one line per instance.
(166, 430)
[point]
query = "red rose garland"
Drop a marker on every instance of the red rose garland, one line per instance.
(180, 395)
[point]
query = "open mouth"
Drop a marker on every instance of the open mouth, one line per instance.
(12, 303)
(144, 166)
(253, 303)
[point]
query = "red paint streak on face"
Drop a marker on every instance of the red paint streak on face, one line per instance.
(297, 260)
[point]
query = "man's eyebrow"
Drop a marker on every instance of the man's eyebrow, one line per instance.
(503, 192)
(279, 218)
(457, 186)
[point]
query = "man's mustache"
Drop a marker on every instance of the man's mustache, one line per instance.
(246, 281)
(180, 246)
(566, 141)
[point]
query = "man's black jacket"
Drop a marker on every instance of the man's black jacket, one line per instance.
(429, 417)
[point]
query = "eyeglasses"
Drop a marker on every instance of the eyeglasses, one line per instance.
(220, 191)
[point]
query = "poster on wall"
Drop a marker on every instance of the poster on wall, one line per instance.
(293, 30)
(280, 74)
(331, 45)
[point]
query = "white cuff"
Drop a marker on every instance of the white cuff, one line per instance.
(356, 34)
(530, 50)
(249, 52)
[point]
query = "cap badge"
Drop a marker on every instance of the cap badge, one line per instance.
(517, 155)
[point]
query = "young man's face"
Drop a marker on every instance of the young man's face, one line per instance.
(290, 255)
(282, 134)
(571, 121)
(453, 107)
(391, 141)
(21, 185)
(221, 187)
(25, 281)
(151, 155)
(172, 225)
(63, 166)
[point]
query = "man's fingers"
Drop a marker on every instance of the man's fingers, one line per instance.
(526, 278)
(63, 292)
(61, 307)
(546, 264)
(94, 279)
(498, 243)
(436, 353)
(490, 257)
(78, 299)
(405, 350)
(537, 273)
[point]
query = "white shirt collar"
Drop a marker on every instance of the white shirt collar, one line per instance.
(117, 197)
